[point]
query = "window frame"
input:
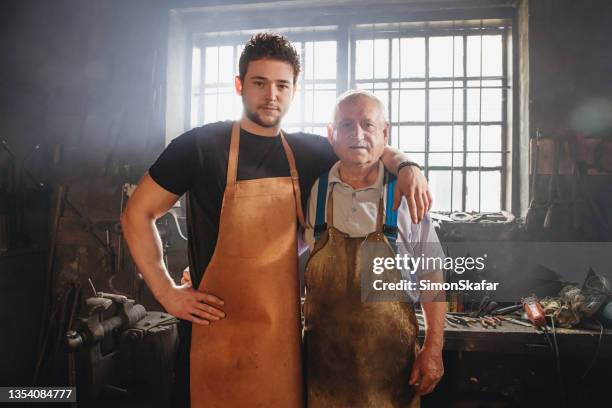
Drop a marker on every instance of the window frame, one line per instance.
(187, 24)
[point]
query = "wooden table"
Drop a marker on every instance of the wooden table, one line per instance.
(512, 338)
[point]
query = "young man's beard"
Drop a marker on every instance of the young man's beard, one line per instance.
(255, 118)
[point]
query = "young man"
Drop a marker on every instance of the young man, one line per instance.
(362, 354)
(243, 206)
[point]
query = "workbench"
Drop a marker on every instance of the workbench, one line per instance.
(512, 338)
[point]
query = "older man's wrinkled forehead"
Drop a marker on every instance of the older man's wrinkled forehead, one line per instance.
(359, 100)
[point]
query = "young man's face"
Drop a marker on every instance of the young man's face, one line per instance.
(267, 91)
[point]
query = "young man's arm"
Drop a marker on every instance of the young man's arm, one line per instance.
(411, 183)
(149, 202)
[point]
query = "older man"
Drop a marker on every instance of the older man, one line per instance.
(364, 354)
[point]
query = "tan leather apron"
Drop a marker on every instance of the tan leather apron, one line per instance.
(252, 358)
(357, 354)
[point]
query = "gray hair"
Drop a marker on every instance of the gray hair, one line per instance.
(359, 93)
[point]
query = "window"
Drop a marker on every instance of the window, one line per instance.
(446, 88)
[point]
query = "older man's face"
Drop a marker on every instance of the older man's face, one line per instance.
(359, 133)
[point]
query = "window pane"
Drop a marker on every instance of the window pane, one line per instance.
(196, 69)
(458, 96)
(457, 191)
(457, 160)
(473, 105)
(471, 159)
(226, 100)
(491, 55)
(294, 115)
(490, 83)
(446, 159)
(309, 61)
(440, 105)
(440, 159)
(473, 55)
(319, 106)
(441, 138)
(490, 159)
(212, 65)
(458, 56)
(491, 189)
(381, 58)
(411, 138)
(320, 60)
(472, 193)
(372, 59)
(226, 64)
(210, 108)
(473, 136)
(195, 109)
(491, 138)
(439, 182)
(440, 56)
(410, 104)
(491, 105)
(364, 57)
(408, 57)
(238, 51)
(383, 95)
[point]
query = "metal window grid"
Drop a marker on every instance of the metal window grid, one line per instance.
(346, 36)
(370, 32)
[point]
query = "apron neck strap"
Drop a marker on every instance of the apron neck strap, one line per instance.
(295, 180)
(232, 161)
(329, 209)
(232, 168)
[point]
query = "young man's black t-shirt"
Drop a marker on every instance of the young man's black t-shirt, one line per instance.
(196, 163)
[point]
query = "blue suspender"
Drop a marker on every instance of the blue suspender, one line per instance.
(320, 224)
(390, 227)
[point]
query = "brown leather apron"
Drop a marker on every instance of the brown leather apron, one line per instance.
(357, 354)
(252, 357)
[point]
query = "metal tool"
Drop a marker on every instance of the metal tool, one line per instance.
(506, 310)
(518, 322)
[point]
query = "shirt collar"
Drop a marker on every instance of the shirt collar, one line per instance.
(334, 177)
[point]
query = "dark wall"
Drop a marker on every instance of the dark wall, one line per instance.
(571, 64)
(571, 100)
(85, 81)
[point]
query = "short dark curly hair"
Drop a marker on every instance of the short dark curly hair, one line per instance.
(269, 45)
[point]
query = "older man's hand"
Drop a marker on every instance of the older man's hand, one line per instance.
(427, 370)
(412, 184)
